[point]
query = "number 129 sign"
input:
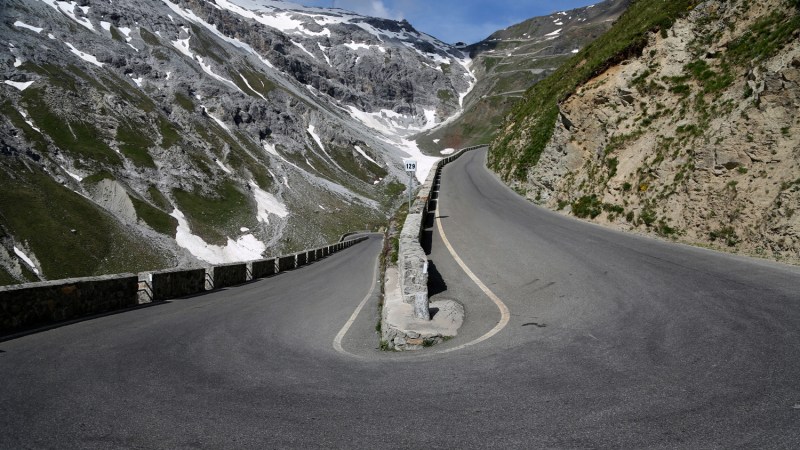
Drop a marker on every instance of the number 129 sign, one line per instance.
(411, 165)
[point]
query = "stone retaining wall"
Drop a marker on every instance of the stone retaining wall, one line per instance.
(411, 259)
(33, 305)
(263, 268)
(228, 275)
(167, 284)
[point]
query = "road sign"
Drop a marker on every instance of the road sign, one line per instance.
(411, 167)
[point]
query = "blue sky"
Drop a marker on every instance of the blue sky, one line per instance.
(454, 20)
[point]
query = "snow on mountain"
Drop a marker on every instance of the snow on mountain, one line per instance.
(207, 118)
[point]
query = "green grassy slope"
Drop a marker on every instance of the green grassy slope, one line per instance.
(70, 235)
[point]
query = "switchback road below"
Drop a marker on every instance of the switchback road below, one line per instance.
(613, 340)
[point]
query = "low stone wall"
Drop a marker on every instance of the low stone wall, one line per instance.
(301, 259)
(228, 275)
(411, 259)
(286, 263)
(33, 305)
(263, 268)
(166, 284)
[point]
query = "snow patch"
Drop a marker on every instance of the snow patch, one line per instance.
(207, 69)
(323, 49)
(222, 166)
(84, 56)
(364, 154)
(300, 46)
(182, 45)
(20, 24)
(27, 260)
(554, 33)
(270, 148)
(219, 122)
(28, 121)
(448, 151)
(73, 175)
(267, 204)
(356, 46)
(247, 247)
(21, 85)
(68, 9)
(424, 162)
(247, 83)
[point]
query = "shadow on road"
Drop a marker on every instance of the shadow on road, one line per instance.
(436, 284)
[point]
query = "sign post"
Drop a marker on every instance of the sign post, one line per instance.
(411, 168)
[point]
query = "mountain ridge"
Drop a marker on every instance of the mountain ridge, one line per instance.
(155, 134)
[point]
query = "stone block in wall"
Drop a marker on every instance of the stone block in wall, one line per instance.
(302, 259)
(263, 268)
(39, 304)
(168, 284)
(286, 263)
(229, 275)
(311, 256)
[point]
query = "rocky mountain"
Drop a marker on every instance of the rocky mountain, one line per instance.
(510, 61)
(681, 122)
(145, 134)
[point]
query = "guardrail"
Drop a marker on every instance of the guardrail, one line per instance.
(411, 259)
(28, 306)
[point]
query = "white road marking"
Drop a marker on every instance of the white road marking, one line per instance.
(505, 316)
(337, 341)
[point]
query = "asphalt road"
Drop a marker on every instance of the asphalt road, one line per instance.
(613, 341)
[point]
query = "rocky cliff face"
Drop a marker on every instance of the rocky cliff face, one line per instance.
(695, 137)
(144, 134)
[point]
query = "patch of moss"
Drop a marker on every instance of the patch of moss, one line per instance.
(70, 235)
(202, 44)
(75, 135)
(116, 35)
(133, 143)
(764, 39)
(158, 198)
(56, 76)
(33, 136)
(258, 81)
(444, 95)
(218, 216)
(169, 133)
(184, 102)
(6, 278)
(97, 177)
(154, 217)
(148, 37)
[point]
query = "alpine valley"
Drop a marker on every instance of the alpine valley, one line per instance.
(147, 134)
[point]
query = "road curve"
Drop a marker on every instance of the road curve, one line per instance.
(613, 340)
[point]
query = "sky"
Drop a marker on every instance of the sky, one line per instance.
(451, 21)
